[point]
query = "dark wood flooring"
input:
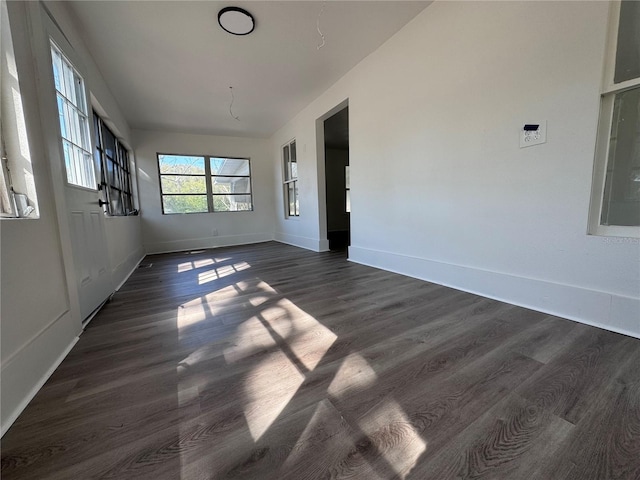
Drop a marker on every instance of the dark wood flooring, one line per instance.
(272, 362)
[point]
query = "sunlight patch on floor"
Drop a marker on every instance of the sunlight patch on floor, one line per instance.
(203, 263)
(221, 294)
(185, 267)
(354, 373)
(190, 312)
(307, 338)
(221, 272)
(393, 434)
(268, 388)
(251, 337)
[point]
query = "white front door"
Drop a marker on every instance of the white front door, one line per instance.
(86, 215)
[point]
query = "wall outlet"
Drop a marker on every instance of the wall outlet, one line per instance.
(214, 232)
(533, 133)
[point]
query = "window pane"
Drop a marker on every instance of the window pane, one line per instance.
(62, 117)
(90, 177)
(183, 184)
(69, 91)
(79, 93)
(181, 164)
(184, 203)
(116, 206)
(231, 203)
(96, 130)
(229, 166)
(68, 162)
(114, 174)
(621, 202)
(110, 174)
(287, 165)
(291, 196)
(57, 70)
(628, 45)
(109, 143)
(231, 185)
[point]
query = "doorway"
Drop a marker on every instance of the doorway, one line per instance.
(337, 182)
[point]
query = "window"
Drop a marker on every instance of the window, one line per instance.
(292, 206)
(200, 184)
(115, 171)
(74, 122)
(18, 197)
(615, 206)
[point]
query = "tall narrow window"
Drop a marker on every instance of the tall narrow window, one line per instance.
(615, 206)
(74, 121)
(289, 155)
(115, 174)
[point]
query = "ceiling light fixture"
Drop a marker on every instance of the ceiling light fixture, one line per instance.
(236, 21)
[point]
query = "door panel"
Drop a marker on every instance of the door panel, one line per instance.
(89, 248)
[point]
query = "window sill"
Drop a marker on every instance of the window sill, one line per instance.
(631, 233)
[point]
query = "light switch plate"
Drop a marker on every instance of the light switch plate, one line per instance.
(533, 137)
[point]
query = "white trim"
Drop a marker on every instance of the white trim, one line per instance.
(39, 333)
(206, 242)
(132, 270)
(36, 388)
(611, 311)
(308, 243)
(619, 87)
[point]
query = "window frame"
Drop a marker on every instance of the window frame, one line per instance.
(288, 181)
(208, 177)
(607, 100)
(122, 165)
(84, 112)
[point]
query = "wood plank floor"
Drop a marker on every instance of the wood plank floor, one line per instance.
(272, 362)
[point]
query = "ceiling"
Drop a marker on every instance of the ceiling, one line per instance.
(170, 65)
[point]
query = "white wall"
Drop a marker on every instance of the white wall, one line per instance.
(37, 324)
(39, 303)
(166, 233)
(440, 189)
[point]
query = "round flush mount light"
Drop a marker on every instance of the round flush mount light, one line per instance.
(236, 21)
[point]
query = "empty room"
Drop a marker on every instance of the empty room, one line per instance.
(326, 239)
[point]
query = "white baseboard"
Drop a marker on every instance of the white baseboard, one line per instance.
(207, 242)
(134, 259)
(24, 374)
(613, 312)
(307, 243)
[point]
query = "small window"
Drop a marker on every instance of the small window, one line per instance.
(289, 155)
(115, 171)
(615, 208)
(74, 121)
(201, 184)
